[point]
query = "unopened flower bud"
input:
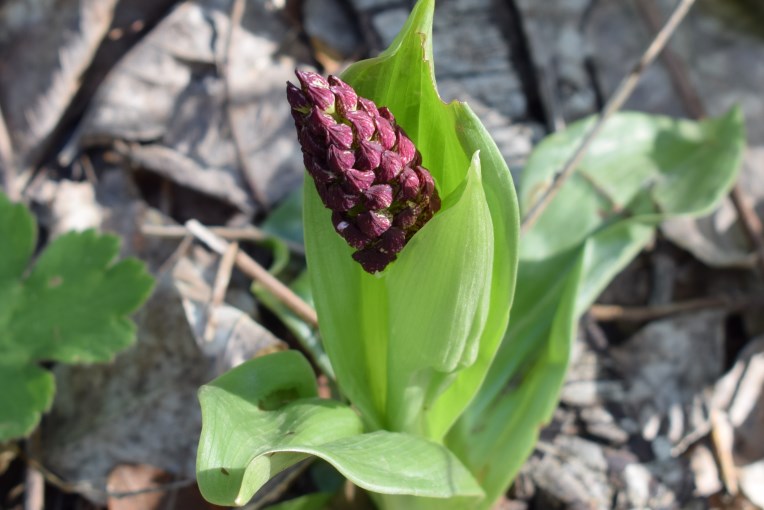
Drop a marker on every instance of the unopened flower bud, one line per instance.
(365, 168)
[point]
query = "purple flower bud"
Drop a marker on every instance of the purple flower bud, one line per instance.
(347, 99)
(358, 181)
(341, 136)
(363, 124)
(368, 156)
(318, 171)
(409, 184)
(428, 184)
(373, 260)
(405, 147)
(309, 144)
(297, 99)
(392, 241)
(316, 88)
(385, 132)
(373, 223)
(389, 167)
(379, 196)
(336, 199)
(318, 123)
(364, 166)
(349, 232)
(340, 161)
(406, 218)
(385, 113)
(368, 106)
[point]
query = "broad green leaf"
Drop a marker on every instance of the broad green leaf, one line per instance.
(308, 337)
(362, 322)
(315, 501)
(639, 165)
(640, 170)
(263, 416)
(72, 307)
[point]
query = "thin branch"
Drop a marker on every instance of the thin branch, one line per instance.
(250, 267)
(693, 104)
(616, 101)
(752, 226)
(222, 279)
(7, 161)
(90, 491)
(609, 313)
(249, 233)
(236, 14)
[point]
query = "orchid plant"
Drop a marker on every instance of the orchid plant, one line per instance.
(411, 227)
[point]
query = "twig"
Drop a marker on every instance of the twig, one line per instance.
(34, 491)
(751, 224)
(616, 101)
(609, 313)
(248, 265)
(235, 17)
(693, 104)
(89, 490)
(722, 439)
(7, 161)
(249, 233)
(222, 278)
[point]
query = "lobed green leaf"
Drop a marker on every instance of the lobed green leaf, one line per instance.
(72, 307)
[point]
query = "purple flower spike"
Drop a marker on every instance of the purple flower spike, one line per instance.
(364, 166)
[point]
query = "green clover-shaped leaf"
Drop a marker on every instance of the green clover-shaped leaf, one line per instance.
(71, 306)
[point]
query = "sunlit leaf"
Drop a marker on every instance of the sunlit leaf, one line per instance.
(263, 416)
(72, 307)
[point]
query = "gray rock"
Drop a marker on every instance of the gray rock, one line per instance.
(327, 22)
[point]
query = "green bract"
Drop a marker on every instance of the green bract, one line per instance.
(72, 307)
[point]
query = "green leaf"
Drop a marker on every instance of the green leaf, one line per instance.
(639, 165)
(72, 307)
(641, 169)
(394, 363)
(263, 416)
(315, 501)
(27, 392)
(308, 337)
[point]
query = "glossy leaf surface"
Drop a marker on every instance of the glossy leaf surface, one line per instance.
(264, 416)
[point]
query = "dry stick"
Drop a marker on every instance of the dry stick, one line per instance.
(236, 14)
(34, 493)
(222, 279)
(88, 490)
(616, 101)
(249, 233)
(248, 265)
(694, 105)
(608, 313)
(7, 161)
